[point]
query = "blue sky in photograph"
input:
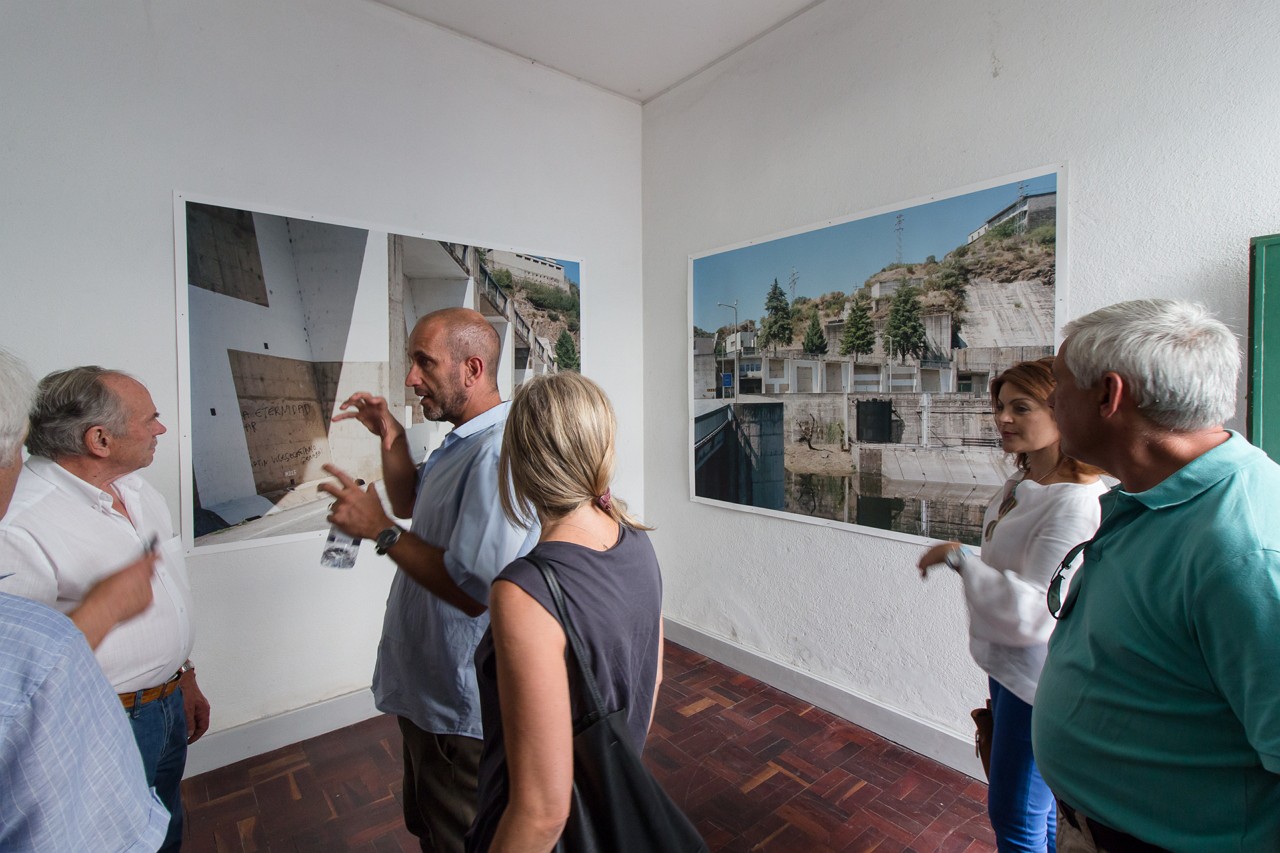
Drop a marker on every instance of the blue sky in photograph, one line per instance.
(842, 257)
(571, 270)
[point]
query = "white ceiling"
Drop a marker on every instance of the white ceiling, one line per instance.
(637, 49)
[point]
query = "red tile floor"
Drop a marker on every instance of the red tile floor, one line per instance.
(754, 768)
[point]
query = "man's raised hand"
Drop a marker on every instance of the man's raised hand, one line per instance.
(372, 411)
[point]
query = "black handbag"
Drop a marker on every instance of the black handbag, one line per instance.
(617, 805)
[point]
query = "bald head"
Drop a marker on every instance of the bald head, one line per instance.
(453, 369)
(467, 334)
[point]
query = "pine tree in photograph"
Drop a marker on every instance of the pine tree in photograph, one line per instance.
(566, 352)
(904, 333)
(776, 326)
(859, 336)
(815, 342)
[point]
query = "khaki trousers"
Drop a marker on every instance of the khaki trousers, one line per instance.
(441, 774)
(1071, 839)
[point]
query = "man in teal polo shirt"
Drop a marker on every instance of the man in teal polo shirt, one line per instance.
(1157, 717)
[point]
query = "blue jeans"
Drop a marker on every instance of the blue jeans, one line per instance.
(160, 728)
(1023, 812)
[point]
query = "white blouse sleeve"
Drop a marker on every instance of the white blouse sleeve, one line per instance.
(1008, 607)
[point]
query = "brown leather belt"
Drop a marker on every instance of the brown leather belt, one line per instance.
(151, 694)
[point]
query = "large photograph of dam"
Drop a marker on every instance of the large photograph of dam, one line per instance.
(840, 373)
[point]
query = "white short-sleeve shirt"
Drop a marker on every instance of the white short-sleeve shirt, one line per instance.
(62, 536)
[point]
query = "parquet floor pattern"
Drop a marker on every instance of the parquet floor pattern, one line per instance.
(754, 768)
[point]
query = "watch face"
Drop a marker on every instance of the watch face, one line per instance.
(387, 538)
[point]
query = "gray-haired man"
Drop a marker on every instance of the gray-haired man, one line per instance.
(1157, 717)
(79, 513)
(70, 775)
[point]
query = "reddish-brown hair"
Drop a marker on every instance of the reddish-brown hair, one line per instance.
(1036, 378)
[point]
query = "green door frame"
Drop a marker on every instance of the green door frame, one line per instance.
(1263, 423)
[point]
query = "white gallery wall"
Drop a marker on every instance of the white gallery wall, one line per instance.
(346, 111)
(1167, 115)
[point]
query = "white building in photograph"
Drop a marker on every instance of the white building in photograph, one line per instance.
(531, 267)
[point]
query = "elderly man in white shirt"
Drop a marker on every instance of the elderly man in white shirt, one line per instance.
(81, 512)
(70, 775)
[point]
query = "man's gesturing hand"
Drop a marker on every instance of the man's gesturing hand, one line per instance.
(373, 413)
(355, 511)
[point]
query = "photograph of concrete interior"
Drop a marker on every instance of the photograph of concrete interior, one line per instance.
(288, 316)
(871, 407)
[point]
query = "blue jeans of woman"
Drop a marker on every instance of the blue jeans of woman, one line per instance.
(1023, 812)
(160, 728)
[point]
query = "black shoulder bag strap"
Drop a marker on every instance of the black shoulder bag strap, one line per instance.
(597, 709)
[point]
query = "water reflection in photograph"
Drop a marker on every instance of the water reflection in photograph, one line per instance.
(947, 511)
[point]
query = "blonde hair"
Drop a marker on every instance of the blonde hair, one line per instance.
(558, 452)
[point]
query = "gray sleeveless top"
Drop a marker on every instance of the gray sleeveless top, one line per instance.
(614, 598)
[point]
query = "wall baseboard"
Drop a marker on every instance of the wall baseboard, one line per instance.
(254, 738)
(908, 731)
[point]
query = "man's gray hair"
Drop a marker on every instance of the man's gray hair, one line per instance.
(17, 390)
(68, 404)
(1181, 362)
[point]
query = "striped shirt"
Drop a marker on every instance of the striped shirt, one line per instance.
(70, 774)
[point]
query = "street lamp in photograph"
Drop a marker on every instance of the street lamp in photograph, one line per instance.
(738, 348)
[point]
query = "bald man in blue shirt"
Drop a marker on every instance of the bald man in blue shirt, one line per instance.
(457, 544)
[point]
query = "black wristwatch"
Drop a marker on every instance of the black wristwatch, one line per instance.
(387, 539)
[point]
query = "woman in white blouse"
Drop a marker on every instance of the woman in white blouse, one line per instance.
(1044, 510)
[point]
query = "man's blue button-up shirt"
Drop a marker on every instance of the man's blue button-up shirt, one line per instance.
(425, 670)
